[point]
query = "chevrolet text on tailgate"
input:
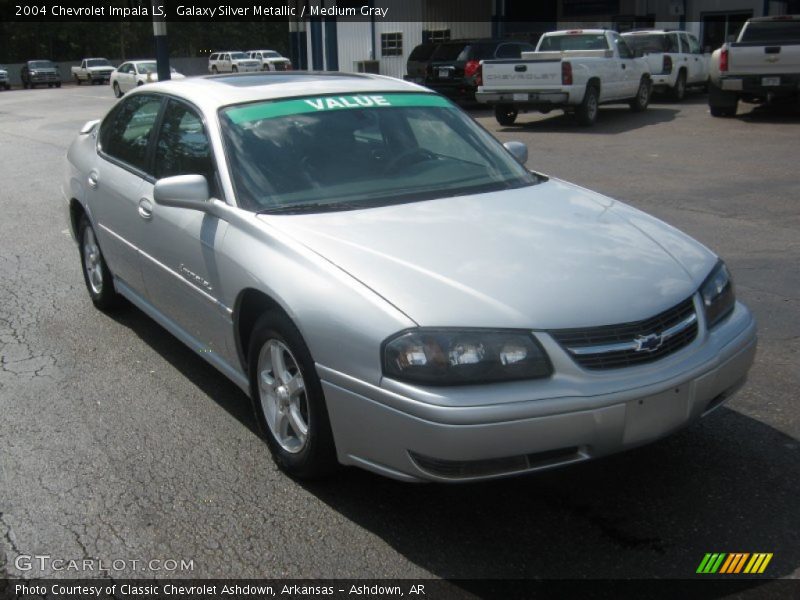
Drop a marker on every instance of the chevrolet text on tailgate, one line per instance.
(390, 285)
(762, 65)
(575, 70)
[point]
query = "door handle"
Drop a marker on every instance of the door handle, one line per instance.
(92, 180)
(145, 209)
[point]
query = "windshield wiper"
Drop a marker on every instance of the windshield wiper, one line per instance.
(309, 207)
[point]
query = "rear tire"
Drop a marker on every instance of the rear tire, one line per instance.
(505, 114)
(678, 91)
(287, 397)
(96, 275)
(642, 99)
(587, 110)
(722, 103)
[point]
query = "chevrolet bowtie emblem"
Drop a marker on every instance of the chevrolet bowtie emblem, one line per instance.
(648, 343)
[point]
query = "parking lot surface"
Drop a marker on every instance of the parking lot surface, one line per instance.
(117, 442)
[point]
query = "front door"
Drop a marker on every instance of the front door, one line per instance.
(180, 249)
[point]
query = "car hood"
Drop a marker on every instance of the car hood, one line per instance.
(551, 255)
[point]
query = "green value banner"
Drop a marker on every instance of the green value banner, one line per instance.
(312, 104)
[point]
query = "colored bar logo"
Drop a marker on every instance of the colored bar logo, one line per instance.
(734, 563)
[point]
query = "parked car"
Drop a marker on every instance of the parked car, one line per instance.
(4, 83)
(391, 286)
(454, 68)
(129, 75)
(39, 72)
(675, 58)
(271, 60)
(93, 70)
(575, 70)
(232, 62)
(417, 64)
(761, 66)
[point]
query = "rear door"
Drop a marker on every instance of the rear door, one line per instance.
(115, 182)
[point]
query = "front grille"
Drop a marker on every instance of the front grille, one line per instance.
(630, 344)
(465, 469)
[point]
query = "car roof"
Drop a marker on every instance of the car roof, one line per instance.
(211, 92)
(653, 31)
(575, 30)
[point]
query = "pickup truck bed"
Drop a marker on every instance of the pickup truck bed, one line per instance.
(574, 78)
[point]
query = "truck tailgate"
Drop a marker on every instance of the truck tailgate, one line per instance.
(521, 74)
(745, 59)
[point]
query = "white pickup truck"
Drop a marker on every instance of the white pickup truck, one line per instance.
(575, 70)
(93, 70)
(761, 66)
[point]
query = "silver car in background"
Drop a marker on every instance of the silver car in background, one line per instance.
(390, 286)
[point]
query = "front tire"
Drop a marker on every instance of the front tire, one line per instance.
(58, 84)
(234, 69)
(287, 399)
(77, 80)
(505, 114)
(117, 91)
(587, 110)
(96, 275)
(640, 102)
(678, 91)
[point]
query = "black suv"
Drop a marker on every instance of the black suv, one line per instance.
(454, 69)
(417, 64)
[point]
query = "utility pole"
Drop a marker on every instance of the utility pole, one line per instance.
(162, 45)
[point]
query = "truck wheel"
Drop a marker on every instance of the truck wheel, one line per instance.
(722, 103)
(678, 91)
(642, 99)
(58, 84)
(586, 112)
(234, 69)
(505, 114)
(214, 70)
(288, 400)
(77, 80)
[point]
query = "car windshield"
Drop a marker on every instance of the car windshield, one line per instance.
(238, 56)
(343, 152)
(650, 43)
(772, 31)
(98, 62)
(148, 67)
(559, 43)
(42, 64)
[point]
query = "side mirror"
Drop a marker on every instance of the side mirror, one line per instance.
(518, 150)
(183, 191)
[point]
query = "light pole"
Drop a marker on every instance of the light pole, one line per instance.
(162, 45)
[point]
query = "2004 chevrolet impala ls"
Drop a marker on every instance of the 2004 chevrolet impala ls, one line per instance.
(390, 285)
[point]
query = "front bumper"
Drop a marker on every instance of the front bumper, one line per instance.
(412, 440)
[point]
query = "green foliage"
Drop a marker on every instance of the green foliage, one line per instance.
(124, 40)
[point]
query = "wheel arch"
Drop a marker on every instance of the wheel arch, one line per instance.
(250, 304)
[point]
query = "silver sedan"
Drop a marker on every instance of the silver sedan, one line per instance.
(390, 285)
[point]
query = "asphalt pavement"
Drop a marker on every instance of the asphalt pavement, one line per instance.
(117, 442)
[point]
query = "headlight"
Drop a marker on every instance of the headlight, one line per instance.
(718, 295)
(460, 357)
